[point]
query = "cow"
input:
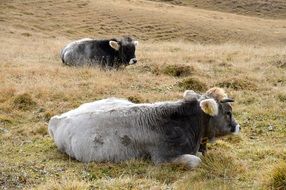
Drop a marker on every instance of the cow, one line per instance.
(110, 53)
(115, 130)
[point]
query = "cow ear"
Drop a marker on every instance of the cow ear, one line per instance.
(115, 45)
(209, 106)
(136, 43)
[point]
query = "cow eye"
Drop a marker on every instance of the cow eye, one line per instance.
(228, 114)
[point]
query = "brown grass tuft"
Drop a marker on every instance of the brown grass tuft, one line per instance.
(218, 169)
(24, 102)
(178, 70)
(193, 84)
(237, 84)
(219, 165)
(135, 99)
(154, 69)
(277, 177)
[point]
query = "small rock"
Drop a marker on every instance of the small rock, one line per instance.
(3, 130)
(270, 128)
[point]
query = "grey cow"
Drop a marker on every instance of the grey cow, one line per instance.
(116, 130)
(109, 53)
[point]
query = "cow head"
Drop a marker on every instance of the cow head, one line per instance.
(216, 104)
(126, 49)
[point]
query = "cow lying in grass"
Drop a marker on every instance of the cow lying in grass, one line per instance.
(111, 53)
(116, 129)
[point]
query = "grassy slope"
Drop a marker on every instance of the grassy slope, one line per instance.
(143, 19)
(31, 38)
(261, 8)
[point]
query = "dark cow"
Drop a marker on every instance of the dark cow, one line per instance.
(116, 129)
(105, 53)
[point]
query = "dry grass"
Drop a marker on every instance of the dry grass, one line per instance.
(35, 86)
(145, 20)
(64, 184)
(55, 89)
(178, 70)
(194, 84)
(120, 183)
(23, 102)
(261, 8)
(276, 177)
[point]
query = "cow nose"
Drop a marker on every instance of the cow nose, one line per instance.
(133, 61)
(237, 129)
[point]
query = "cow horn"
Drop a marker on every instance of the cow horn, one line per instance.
(225, 100)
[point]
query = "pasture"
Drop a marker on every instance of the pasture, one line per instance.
(180, 47)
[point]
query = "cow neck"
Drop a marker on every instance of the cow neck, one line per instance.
(120, 55)
(199, 130)
(205, 133)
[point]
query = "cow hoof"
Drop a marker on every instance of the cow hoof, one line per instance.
(188, 160)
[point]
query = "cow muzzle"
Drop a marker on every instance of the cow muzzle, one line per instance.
(133, 61)
(236, 129)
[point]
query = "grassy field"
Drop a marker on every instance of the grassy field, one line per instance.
(180, 48)
(262, 8)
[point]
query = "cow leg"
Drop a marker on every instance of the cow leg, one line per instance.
(203, 145)
(188, 160)
(109, 63)
(203, 149)
(103, 62)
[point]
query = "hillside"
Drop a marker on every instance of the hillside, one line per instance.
(143, 19)
(261, 8)
(180, 47)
